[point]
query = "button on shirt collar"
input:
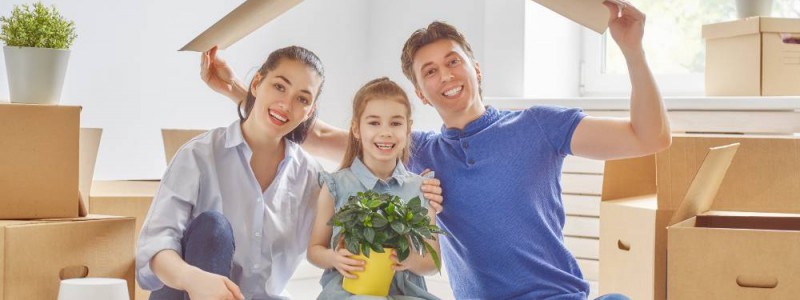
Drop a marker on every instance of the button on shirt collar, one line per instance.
(487, 118)
(369, 180)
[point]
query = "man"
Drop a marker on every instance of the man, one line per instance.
(500, 170)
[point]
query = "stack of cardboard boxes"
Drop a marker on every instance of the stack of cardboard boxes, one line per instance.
(694, 223)
(757, 56)
(46, 166)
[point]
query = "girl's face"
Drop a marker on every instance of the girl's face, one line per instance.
(284, 98)
(383, 130)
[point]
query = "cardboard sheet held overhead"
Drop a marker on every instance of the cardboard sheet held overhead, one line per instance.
(243, 20)
(590, 13)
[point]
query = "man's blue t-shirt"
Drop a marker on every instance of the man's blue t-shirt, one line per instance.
(503, 211)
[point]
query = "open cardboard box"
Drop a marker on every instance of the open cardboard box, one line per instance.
(633, 235)
(36, 254)
(641, 194)
(736, 255)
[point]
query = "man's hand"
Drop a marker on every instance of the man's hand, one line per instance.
(626, 24)
(219, 76)
(432, 190)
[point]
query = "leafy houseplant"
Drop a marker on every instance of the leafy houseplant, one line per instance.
(37, 39)
(374, 223)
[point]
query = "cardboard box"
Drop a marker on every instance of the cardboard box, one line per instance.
(36, 254)
(641, 194)
(736, 255)
(39, 158)
(175, 138)
(633, 235)
(125, 198)
(752, 57)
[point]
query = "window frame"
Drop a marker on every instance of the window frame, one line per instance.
(594, 82)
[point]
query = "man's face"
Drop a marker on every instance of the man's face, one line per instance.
(446, 77)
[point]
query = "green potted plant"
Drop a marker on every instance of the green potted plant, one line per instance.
(371, 226)
(37, 40)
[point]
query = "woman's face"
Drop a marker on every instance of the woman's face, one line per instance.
(284, 98)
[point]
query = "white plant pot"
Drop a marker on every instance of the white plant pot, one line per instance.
(93, 289)
(752, 8)
(35, 75)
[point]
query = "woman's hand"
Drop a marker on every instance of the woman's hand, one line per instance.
(219, 76)
(202, 285)
(626, 24)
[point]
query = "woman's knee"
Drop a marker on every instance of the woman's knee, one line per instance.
(211, 226)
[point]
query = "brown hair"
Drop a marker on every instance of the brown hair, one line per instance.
(380, 88)
(422, 37)
(295, 53)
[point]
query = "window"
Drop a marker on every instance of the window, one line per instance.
(672, 41)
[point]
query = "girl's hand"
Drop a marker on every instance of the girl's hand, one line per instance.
(344, 264)
(202, 285)
(432, 190)
(398, 266)
(626, 24)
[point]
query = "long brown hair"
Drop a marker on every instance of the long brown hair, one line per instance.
(380, 88)
(295, 53)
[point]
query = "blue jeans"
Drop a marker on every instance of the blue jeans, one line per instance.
(613, 297)
(207, 244)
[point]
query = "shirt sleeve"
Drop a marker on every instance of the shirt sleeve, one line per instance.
(168, 216)
(326, 179)
(418, 140)
(557, 124)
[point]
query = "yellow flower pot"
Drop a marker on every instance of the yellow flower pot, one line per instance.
(376, 279)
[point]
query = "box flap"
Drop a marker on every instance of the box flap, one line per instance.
(590, 13)
(89, 144)
(175, 138)
(629, 178)
(731, 29)
(705, 185)
(243, 20)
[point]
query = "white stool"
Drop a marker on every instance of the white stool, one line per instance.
(93, 289)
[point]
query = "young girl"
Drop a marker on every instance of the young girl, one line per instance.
(232, 217)
(377, 148)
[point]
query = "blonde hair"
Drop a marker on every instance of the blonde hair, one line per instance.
(380, 88)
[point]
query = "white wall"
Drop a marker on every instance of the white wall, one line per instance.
(552, 64)
(127, 74)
